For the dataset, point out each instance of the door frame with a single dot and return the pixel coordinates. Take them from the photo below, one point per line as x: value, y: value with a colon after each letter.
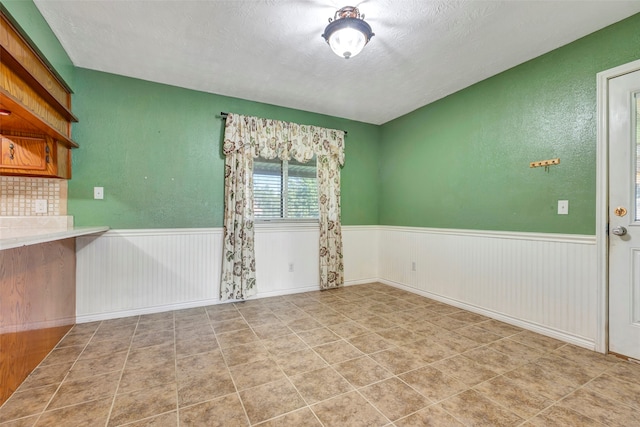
x: 602, y: 201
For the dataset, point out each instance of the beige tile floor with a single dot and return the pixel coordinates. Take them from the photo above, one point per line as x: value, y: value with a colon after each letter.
x: 368, y: 355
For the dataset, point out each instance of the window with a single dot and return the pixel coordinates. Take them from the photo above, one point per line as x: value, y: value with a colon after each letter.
x: 285, y: 189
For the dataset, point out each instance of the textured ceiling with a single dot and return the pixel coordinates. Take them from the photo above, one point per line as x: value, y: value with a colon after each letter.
x: 271, y: 51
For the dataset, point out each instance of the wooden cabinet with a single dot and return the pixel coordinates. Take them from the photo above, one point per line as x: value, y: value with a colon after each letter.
x: 35, y: 109
x: 34, y: 156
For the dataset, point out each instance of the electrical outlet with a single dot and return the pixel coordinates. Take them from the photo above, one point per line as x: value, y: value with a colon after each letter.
x: 41, y: 206
x: 563, y: 207
x: 290, y: 267
x: 98, y: 193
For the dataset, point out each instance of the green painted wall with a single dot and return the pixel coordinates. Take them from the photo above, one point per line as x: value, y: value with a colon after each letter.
x: 156, y: 151
x: 31, y: 21
x: 463, y: 161
x: 460, y: 162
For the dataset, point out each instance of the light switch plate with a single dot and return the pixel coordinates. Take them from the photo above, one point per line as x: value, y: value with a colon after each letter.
x: 98, y: 193
x: 563, y: 207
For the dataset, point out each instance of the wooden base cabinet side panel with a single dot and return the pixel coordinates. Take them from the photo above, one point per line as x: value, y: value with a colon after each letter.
x: 37, y: 307
x: 63, y: 161
x: 26, y: 350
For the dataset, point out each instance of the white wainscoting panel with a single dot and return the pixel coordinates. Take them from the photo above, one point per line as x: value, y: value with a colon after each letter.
x: 279, y: 247
x: 360, y: 247
x: 543, y: 282
x: 128, y: 272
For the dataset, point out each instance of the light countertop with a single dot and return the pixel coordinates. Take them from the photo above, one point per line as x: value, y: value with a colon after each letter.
x: 14, y: 238
x: 22, y: 231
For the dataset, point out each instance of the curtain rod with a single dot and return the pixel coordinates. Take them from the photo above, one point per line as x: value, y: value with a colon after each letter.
x: 224, y: 116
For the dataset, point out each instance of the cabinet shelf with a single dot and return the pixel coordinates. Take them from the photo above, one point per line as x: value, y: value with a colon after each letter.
x: 23, y: 120
x: 15, y: 65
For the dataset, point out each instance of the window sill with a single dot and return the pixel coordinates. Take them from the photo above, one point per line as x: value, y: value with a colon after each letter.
x: 280, y: 224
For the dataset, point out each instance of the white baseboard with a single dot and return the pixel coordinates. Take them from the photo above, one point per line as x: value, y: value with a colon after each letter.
x: 541, y: 329
x: 86, y: 318
x: 361, y: 281
x: 193, y: 304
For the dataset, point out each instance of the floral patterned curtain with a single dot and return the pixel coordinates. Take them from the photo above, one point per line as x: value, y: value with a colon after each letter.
x: 248, y: 137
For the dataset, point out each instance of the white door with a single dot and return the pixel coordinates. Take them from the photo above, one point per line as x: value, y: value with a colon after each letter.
x: 624, y: 227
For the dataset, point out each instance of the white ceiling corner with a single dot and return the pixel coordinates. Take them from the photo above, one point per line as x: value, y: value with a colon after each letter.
x: 271, y: 51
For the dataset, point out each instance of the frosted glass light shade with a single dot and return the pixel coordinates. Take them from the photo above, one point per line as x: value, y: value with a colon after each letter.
x: 348, y: 33
x: 347, y: 42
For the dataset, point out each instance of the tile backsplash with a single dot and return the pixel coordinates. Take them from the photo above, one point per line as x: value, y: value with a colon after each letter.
x: 18, y: 196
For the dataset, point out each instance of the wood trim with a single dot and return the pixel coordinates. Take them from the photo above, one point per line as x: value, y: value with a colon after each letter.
x: 23, y: 43
x: 35, y: 84
x: 30, y: 99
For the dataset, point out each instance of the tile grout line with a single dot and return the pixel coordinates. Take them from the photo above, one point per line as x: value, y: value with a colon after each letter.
x: 296, y: 333
x: 583, y: 387
x: 281, y: 370
x: 558, y: 358
x: 555, y: 402
x: 226, y: 364
x: 66, y: 374
x: 124, y: 366
x: 175, y: 368
x: 356, y: 389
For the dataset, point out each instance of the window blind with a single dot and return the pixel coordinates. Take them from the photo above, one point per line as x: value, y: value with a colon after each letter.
x: 285, y: 190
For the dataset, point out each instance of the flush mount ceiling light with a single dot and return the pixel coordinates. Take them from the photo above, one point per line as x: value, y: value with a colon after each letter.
x: 347, y: 33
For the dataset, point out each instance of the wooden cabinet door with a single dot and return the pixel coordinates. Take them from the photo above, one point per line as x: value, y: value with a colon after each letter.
x: 27, y: 156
